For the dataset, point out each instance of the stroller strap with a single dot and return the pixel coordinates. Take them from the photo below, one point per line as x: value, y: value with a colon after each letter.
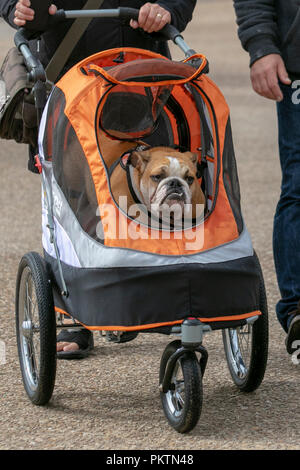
x: 69, y: 42
x: 124, y: 162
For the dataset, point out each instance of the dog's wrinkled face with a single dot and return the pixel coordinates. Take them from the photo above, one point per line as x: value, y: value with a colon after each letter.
x: 167, y: 178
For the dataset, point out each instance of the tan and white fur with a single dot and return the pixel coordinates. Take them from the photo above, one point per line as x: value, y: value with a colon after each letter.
x: 165, y: 179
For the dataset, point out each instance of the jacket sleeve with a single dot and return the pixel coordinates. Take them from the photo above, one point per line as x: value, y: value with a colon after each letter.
x: 7, y: 11
x: 257, y: 27
x: 181, y: 11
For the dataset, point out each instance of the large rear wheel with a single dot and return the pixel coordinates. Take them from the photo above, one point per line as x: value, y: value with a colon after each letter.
x: 36, y: 328
x: 246, y: 348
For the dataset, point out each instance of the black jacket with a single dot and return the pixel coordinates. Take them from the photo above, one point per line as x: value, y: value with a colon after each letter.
x: 102, y: 33
x: 270, y: 26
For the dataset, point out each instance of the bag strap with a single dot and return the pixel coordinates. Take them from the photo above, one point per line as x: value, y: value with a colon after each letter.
x: 70, y: 40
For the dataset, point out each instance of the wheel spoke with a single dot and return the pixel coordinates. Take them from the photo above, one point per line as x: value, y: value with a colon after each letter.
x: 36, y: 328
x: 183, y: 401
x: 175, y: 396
x: 27, y: 328
x: 241, y: 344
x: 239, y: 347
x: 238, y: 353
x: 180, y: 386
x: 179, y: 401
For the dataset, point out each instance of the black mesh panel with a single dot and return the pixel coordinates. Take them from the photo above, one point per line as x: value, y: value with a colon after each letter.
x: 126, y: 113
x: 70, y: 166
x: 230, y: 177
x: 133, y: 113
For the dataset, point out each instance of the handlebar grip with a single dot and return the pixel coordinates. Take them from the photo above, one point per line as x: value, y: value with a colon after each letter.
x: 21, y: 38
x: 167, y: 32
x: 33, y: 65
x: 59, y: 17
x: 128, y: 13
x: 41, y: 15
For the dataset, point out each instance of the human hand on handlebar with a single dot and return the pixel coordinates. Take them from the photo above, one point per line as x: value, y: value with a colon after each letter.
x: 152, y: 18
x: 24, y: 13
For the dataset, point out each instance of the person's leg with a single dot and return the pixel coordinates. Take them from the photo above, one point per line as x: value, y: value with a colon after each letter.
x: 286, y: 237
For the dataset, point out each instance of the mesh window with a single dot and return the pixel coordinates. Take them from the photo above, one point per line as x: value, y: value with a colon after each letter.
x: 230, y: 177
x: 56, y: 107
x: 133, y: 113
x: 70, y: 166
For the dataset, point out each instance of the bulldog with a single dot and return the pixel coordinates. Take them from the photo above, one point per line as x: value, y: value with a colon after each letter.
x: 163, y: 179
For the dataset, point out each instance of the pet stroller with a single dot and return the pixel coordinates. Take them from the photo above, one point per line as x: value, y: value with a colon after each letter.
x: 186, y: 282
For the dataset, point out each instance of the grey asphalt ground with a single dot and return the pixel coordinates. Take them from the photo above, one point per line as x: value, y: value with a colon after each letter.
x: 111, y: 400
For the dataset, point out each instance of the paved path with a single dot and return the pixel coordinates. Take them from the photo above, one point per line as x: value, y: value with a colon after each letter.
x: 111, y: 401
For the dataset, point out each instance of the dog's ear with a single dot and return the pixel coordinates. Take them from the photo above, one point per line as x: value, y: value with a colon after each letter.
x: 139, y: 160
x: 193, y: 157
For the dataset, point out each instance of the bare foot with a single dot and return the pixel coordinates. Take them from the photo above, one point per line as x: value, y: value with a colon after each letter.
x: 64, y: 346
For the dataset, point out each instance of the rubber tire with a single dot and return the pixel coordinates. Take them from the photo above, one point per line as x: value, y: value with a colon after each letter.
x: 193, y: 389
x: 260, y: 343
x: 47, y: 323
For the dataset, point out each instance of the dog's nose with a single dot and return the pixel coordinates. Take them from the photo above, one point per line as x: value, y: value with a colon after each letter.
x: 174, y: 184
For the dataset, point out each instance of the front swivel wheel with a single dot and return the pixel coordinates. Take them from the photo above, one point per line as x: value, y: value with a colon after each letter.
x: 182, y: 403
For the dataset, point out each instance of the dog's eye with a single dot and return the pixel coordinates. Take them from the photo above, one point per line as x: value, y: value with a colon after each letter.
x: 156, y: 178
x: 189, y: 180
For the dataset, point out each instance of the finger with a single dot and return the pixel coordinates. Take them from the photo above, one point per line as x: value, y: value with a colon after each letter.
x: 260, y: 86
x: 59, y: 346
x: 52, y: 9
x: 24, y: 13
x: 134, y: 24
x: 159, y: 22
x: 274, y: 88
x: 146, y: 16
x: 23, y: 7
x: 65, y: 346
x: 166, y: 19
x: 19, y: 22
x: 265, y: 90
x: 153, y: 20
x: 157, y: 26
x: 71, y: 347
x: 282, y: 74
x: 26, y: 3
x: 24, y: 17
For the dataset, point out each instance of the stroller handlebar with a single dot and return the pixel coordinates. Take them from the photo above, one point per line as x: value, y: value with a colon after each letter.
x: 35, y: 68
x: 168, y: 32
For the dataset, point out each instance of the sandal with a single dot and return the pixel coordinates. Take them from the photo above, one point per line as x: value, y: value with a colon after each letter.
x: 83, y: 337
x: 120, y: 336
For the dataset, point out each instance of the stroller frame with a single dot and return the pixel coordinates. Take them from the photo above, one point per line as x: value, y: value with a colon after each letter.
x: 184, y: 360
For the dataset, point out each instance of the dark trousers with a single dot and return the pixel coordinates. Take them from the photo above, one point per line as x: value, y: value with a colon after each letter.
x: 286, y: 236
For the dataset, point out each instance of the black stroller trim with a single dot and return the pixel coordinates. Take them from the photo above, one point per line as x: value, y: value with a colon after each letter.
x: 130, y: 294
